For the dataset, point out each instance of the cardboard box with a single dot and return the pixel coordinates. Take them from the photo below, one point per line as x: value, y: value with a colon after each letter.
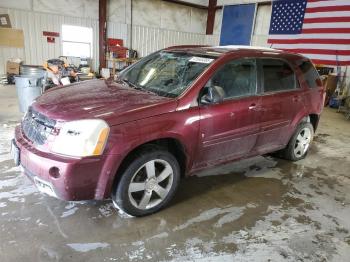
x: 331, y: 83
x: 11, y: 37
x: 12, y: 67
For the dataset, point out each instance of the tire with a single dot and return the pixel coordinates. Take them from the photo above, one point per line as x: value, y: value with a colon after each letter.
x: 148, y: 183
x: 299, y: 144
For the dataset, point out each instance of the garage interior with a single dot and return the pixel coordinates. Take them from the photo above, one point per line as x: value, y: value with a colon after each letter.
x: 258, y: 209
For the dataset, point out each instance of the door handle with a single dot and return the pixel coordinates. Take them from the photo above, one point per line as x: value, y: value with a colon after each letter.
x: 258, y: 108
x: 252, y: 106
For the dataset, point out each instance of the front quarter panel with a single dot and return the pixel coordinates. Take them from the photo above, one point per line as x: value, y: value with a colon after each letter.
x: 180, y: 125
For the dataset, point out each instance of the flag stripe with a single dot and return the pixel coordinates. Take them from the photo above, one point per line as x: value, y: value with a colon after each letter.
x: 318, y: 51
x: 326, y: 20
x: 312, y: 46
x: 327, y: 14
x: 312, y: 36
x: 330, y: 62
x: 326, y: 30
x: 326, y: 25
x: 327, y: 57
x: 327, y: 3
x: 310, y: 41
x: 327, y: 9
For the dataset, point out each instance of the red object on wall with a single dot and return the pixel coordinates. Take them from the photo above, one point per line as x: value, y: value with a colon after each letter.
x: 116, y: 46
x: 115, y: 42
x: 53, y: 34
x: 50, y: 39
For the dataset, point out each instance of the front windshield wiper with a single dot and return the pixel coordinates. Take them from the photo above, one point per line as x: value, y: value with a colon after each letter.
x: 126, y: 81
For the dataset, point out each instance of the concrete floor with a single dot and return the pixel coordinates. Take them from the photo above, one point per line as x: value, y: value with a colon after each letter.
x: 261, y: 209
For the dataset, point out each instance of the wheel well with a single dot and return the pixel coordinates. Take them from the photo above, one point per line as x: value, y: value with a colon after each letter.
x: 313, y: 119
x: 176, y: 148
x: 170, y: 144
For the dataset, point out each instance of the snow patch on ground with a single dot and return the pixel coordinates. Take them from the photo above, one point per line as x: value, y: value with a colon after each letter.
x: 86, y: 247
x: 69, y: 212
x: 160, y: 235
x: 230, y: 214
x: 107, y: 210
x: 233, y: 214
x: 21, y: 187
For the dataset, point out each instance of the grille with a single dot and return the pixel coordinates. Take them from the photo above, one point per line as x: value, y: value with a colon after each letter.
x: 37, y: 127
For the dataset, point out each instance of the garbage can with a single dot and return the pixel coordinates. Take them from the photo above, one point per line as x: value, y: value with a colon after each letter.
x: 28, y: 88
x: 29, y: 85
x: 31, y: 70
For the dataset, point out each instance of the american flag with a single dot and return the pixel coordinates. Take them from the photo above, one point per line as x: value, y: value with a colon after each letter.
x: 318, y: 29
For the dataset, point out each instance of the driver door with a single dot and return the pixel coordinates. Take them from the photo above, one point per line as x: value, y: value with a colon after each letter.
x: 229, y: 130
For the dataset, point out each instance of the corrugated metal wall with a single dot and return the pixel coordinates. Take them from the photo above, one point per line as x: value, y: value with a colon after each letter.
x: 37, y: 50
x: 117, y: 30
x: 147, y: 40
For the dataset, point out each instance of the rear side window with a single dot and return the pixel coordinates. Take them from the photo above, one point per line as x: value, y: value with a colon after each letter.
x: 277, y: 75
x: 310, y: 73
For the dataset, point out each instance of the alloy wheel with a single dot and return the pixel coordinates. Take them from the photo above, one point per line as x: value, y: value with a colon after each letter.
x: 302, y: 142
x: 151, y: 184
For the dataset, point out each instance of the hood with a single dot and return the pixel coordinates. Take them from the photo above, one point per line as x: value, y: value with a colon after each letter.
x: 101, y: 99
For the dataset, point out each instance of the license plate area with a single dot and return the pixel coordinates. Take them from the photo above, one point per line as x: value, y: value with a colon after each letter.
x: 15, y: 153
x: 44, y: 187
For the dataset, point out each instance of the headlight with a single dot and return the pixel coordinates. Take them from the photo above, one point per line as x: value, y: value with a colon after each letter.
x: 81, y: 138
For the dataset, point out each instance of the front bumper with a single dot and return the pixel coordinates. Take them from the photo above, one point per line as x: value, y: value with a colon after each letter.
x: 42, y: 185
x: 79, y: 178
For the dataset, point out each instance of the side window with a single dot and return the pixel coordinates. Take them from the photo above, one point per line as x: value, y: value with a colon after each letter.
x: 237, y: 78
x: 310, y: 73
x: 277, y: 75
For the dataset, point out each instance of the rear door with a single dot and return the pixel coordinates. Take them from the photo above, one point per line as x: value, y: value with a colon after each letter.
x: 282, y: 100
x: 229, y: 129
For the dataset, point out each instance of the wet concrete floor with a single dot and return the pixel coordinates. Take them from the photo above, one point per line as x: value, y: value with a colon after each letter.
x: 260, y: 209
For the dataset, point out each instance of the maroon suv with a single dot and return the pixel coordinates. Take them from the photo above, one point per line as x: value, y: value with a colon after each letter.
x: 174, y: 112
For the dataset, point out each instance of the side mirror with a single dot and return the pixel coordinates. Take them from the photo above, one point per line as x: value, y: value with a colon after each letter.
x: 214, y: 95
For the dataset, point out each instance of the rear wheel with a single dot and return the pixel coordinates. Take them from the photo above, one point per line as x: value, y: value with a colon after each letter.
x: 148, y: 183
x: 299, y: 144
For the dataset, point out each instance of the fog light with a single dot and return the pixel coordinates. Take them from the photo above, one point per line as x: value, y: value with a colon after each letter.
x: 54, y: 172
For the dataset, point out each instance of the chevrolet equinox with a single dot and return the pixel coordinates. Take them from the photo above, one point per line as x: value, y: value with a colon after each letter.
x: 172, y: 113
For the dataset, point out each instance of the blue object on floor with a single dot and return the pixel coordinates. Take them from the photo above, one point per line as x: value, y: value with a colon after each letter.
x: 334, y: 102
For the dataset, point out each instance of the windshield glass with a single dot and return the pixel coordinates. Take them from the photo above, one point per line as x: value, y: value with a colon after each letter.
x: 166, y: 73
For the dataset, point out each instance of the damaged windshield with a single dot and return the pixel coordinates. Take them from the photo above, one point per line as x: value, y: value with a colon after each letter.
x: 166, y: 73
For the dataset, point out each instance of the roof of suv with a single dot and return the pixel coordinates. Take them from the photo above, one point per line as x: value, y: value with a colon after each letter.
x: 221, y: 50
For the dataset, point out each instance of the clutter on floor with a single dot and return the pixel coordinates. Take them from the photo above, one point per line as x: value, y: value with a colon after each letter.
x: 337, y: 89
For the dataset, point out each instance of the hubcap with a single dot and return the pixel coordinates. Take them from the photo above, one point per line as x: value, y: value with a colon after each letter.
x: 302, y: 142
x: 151, y: 184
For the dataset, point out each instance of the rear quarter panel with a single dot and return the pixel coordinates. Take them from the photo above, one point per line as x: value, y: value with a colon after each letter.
x: 313, y: 97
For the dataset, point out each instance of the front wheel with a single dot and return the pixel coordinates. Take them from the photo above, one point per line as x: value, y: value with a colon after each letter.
x: 148, y: 183
x: 300, y: 142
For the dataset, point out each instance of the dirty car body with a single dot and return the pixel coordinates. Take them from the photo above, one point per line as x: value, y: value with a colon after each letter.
x: 236, y: 102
